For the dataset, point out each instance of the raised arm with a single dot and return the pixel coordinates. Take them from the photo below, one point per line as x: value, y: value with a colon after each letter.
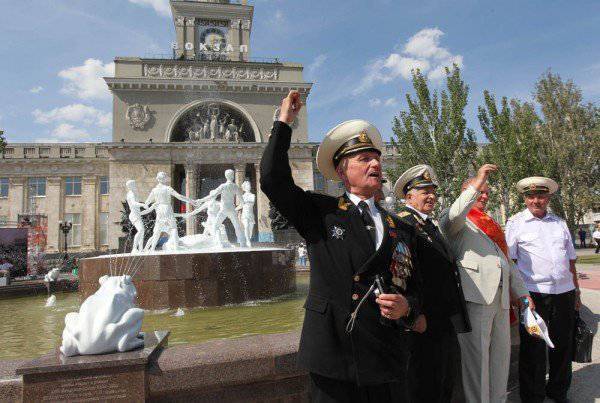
x: 275, y: 173
x: 183, y: 198
x: 455, y: 217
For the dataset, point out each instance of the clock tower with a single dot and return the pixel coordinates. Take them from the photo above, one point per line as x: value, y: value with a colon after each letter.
x: 212, y: 29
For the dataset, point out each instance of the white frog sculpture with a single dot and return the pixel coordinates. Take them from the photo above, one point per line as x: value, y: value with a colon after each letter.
x: 108, y: 320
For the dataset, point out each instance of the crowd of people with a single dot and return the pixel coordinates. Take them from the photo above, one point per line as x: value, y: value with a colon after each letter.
x: 396, y: 300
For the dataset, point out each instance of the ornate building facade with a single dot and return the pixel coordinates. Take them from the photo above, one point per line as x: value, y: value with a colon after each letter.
x: 207, y: 109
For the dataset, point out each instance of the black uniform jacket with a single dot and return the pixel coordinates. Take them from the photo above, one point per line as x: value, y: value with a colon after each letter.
x: 443, y: 300
x: 343, y: 265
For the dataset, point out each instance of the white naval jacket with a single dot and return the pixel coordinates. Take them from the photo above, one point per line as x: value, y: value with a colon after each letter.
x: 480, y: 261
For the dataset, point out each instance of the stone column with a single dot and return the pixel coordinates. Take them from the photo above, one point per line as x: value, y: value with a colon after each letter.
x: 262, y: 211
x: 16, y: 195
x: 190, y: 36
x: 89, y: 213
x: 180, y: 36
x: 55, y: 211
x: 191, y: 184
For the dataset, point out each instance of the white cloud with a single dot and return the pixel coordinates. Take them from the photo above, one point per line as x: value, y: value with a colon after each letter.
x: 422, y: 51
x: 160, y: 6
x: 36, y: 90
x: 66, y: 133
x: 85, y: 81
x: 316, y: 63
x: 377, y: 102
x: 76, y: 113
x: 391, y: 102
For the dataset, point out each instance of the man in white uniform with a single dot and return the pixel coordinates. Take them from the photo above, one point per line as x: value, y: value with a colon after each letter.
x: 487, y: 274
x: 541, y: 245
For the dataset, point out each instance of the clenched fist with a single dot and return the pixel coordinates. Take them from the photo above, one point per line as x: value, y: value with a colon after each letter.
x: 290, y: 106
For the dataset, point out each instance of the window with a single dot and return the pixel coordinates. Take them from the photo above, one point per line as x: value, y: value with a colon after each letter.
x: 74, y: 236
x: 73, y: 185
x: 3, y: 187
x: 103, y: 228
x: 3, y: 220
x: 104, y: 185
x: 37, y: 186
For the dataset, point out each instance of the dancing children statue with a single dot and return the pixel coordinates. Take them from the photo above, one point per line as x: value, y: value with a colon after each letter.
x: 228, y: 191
x: 247, y: 207
x: 160, y: 196
x: 135, y: 216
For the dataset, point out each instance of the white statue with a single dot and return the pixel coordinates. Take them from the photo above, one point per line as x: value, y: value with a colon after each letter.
x: 222, y: 125
x: 160, y: 196
x: 247, y: 207
x: 206, y: 128
x: 135, y: 216
x: 228, y: 191
x: 231, y: 131
x: 214, y: 120
x: 108, y: 320
x: 52, y: 275
x: 207, y: 238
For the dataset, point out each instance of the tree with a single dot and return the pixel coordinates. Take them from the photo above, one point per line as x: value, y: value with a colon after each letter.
x: 569, y: 139
x: 434, y: 131
x: 2, y: 141
x: 510, y: 130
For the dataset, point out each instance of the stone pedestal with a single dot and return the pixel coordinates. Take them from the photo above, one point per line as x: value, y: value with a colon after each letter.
x: 191, y: 279
x: 117, y: 377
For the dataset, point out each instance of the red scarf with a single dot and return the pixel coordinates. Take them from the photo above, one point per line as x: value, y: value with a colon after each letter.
x: 489, y: 227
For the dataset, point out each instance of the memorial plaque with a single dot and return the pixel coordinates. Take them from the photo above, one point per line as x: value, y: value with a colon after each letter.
x: 116, y: 377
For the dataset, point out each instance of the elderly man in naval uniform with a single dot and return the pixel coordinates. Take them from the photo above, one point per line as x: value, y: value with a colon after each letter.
x: 434, y: 362
x: 354, y: 344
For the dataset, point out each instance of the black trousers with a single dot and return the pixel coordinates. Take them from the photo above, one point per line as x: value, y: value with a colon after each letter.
x: 558, y: 311
x: 329, y: 390
x: 434, y: 367
x: 597, y: 245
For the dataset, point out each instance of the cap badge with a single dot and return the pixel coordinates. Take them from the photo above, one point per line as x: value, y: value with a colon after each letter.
x: 426, y: 176
x: 532, y: 186
x: 363, y: 137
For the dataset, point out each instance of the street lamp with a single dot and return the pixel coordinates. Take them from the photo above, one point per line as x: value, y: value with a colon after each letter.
x: 65, y: 227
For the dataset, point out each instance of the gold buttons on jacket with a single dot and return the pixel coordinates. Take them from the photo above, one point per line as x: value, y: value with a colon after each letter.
x: 354, y: 297
x: 357, y: 278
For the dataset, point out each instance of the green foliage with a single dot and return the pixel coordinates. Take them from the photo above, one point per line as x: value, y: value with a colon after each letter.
x: 510, y: 129
x: 569, y: 139
x: 2, y: 142
x: 434, y: 131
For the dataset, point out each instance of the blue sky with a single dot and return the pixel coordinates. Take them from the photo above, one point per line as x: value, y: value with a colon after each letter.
x: 357, y: 53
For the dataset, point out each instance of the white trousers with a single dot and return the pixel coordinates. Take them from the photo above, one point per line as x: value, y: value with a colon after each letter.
x: 485, y: 352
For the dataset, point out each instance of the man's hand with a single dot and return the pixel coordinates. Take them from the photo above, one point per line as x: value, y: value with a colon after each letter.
x: 290, y: 106
x: 529, y: 301
x: 482, y: 175
x: 392, y: 306
x: 420, y: 324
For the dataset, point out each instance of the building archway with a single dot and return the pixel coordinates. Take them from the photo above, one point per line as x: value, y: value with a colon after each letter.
x: 212, y: 120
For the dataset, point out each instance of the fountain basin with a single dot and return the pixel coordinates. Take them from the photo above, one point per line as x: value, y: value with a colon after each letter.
x: 169, y: 280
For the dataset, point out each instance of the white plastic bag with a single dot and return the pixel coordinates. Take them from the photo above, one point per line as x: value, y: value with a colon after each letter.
x: 535, y: 326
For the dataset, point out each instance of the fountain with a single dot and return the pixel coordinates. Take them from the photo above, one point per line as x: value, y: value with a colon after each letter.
x: 204, y: 269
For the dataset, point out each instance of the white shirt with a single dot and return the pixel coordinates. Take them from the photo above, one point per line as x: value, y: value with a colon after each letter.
x: 423, y: 215
x: 374, y: 211
x: 596, y: 234
x: 543, y: 248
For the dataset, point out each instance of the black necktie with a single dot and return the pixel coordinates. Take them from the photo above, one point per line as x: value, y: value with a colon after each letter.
x: 432, y: 230
x: 368, y: 221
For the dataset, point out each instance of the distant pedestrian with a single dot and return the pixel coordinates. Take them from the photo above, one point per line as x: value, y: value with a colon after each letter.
x: 596, y: 236
x: 302, y: 254
x: 582, y: 236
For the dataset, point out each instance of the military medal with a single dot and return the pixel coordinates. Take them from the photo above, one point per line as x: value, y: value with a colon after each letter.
x: 401, y: 265
x: 337, y: 232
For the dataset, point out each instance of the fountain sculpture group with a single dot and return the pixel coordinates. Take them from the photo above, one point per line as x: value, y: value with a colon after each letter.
x: 193, y: 270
